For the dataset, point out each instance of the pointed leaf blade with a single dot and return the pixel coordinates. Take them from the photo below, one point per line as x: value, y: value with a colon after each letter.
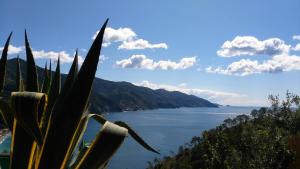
x: 32, y: 78
x: 3, y: 63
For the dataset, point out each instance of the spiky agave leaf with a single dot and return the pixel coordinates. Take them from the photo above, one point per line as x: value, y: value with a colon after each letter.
x: 67, y: 85
x: 3, y: 63
x: 55, y: 87
x: 52, y: 96
x: 66, y: 116
x: 19, y: 79
x: 46, y: 81
x: 32, y: 78
x: 26, y: 132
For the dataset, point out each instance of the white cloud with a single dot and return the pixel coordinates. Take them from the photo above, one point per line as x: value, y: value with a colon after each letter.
x: 141, y: 44
x: 220, y: 97
x: 128, y: 38
x: 278, y: 63
x: 250, y: 45
x: 296, y: 37
x: 142, y: 62
x: 297, y: 47
x: 64, y: 57
x: 117, y: 35
x: 13, y: 49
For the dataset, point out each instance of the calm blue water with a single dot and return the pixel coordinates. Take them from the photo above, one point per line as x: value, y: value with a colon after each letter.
x: 164, y: 129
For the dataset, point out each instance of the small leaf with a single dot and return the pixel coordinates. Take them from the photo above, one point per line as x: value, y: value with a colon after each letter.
x: 3, y: 63
x: 32, y: 78
x: 135, y: 136
x: 103, y: 147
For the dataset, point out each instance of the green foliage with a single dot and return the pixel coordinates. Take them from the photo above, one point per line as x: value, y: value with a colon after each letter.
x: 48, y: 127
x: 259, y: 141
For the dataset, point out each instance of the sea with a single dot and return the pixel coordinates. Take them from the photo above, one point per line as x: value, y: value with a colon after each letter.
x: 164, y: 129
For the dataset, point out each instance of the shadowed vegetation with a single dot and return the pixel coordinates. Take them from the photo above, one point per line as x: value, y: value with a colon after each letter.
x: 266, y: 139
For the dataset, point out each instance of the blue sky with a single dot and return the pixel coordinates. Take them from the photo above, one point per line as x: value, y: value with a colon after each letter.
x: 231, y: 52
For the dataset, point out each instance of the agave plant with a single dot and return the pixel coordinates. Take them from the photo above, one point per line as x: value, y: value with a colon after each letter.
x: 47, y: 122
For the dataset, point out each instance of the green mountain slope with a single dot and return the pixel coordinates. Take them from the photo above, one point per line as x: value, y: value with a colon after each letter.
x: 108, y: 96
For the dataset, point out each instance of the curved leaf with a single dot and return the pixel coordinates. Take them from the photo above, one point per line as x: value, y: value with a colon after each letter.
x: 135, y: 136
x: 103, y: 147
x: 26, y: 133
x: 3, y: 63
x: 28, y: 106
x: 32, y: 78
x: 79, y: 134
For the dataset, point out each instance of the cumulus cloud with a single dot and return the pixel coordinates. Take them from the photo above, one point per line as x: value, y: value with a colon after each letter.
x: 250, y: 45
x: 142, y: 62
x: 42, y: 54
x: 277, y: 63
x: 13, y: 49
x: 128, y: 38
x: 296, y: 37
x: 64, y: 56
x: 220, y: 97
x: 141, y: 44
x: 116, y: 35
x: 297, y: 47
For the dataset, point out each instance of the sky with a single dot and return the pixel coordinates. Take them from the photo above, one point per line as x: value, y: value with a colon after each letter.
x: 230, y: 52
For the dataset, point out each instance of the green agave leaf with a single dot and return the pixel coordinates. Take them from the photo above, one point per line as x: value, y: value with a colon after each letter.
x: 69, y: 110
x: 3, y: 63
x: 7, y: 114
x: 28, y: 106
x: 135, y: 136
x: 19, y: 79
x: 55, y: 87
x: 46, y: 81
x: 52, y: 97
x: 71, y: 76
x: 103, y: 147
x: 50, y: 71
x: 32, y: 78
